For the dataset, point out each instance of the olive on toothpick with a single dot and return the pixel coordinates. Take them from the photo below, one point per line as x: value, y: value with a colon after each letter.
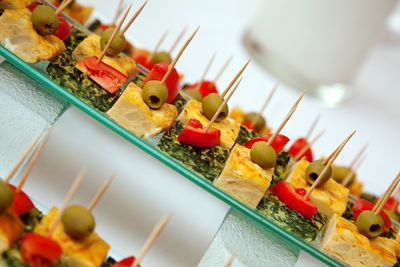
x: 112, y: 38
x: 155, y: 93
x: 222, y: 106
x: 212, y: 102
x: 263, y: 153
x: 323, y: 175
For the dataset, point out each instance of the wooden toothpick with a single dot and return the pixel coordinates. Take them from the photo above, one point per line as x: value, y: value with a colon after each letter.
x: 96, y: 199
x: 286, y: 119
x: 223, y: 69
x: 151, y: 239
x: 309, y: 144
x: 235, y: 79
x: 134, y: 17
x: 178, y: 39
x: 222, y: 105
x: 353, y: 171
x: 118, y: 12
x: 21, y: 161
x: 31, y: 164
x: 265, y: 105
x: 158, y: 45
x: 114, y: 34
x: 205, y: 72
x: 328, y: 165
x: 173, y: 63
x: 71, y: 193
x: 62, y: 6
x: 229, y: 262
x: 358, y: 156
x: 312, y: 127
x: 380, y: 204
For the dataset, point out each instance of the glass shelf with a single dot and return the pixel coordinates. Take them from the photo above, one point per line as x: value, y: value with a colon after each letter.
x: 37, y: 73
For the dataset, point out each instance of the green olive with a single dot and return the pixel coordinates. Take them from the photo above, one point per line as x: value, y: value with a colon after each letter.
x: 195, y: 94
x: 339, y: 173
x: 117, y: 45
x: 161, y: 57
x: 369, y: 224
x: 154, y: 94
x: 260, y: 121
x: 6, y: 196
x: 210, y: 105
x: 315, y: 169
x: 78, y: 221
x: 44, y: 20
x: 263, y: 154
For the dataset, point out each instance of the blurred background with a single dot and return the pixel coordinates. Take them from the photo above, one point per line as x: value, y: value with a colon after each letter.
x: 352, y: 78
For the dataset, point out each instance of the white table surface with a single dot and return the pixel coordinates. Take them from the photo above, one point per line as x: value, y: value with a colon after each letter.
x: 145, y: 190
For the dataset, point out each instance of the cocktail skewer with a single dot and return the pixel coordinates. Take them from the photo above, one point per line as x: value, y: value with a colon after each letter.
x: 151, y: 239
x: 222, y: 105
x: 328, y: 165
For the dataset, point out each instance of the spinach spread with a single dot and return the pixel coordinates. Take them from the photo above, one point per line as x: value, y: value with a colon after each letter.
x: 275, y: 210
x: 245, y: 135
x: 63, y: 72
x: 207, y: 162
x: 281, y: 167
x: 348, y: 213
x: 180, y: 102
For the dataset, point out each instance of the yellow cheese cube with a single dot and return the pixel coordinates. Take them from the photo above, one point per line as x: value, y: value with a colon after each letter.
x: 131, y: 112
x: 243, y: 179
x: 89, y: 252
x: 91, y: 47
x: 343, y: 241
x: 330, y: 198
x: 229, y: 127
x: 10, y: 229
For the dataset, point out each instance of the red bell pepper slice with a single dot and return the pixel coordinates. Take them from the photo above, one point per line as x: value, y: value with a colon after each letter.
x: 39, y: 251
x: 195, y: 135
x: 64, y: 30
x: 391, y: 204
x: 157, y: 72
x: 104, y: 75
x: 297, y: 146
x: 249, y: 125
x: 293, y: 198
x: 362, y: 205
x: 22, y: 204
x: 127, y: 262
x: 278, y: 144
x: 206, y: 88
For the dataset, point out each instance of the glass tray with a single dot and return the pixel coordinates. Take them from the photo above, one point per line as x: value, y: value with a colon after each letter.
x: 37, y: 73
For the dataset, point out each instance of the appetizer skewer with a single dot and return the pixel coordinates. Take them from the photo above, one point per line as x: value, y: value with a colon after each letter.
x: 149, y: 106
x: 259, y: 160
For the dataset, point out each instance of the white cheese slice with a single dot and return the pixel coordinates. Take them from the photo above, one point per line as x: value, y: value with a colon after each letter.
x: 131, y: 112
x: 18, y: 35
x: 243, y: 179
x: 342, y: 240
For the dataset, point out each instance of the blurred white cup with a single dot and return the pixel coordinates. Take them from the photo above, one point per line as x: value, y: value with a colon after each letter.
x: 317, y: 45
